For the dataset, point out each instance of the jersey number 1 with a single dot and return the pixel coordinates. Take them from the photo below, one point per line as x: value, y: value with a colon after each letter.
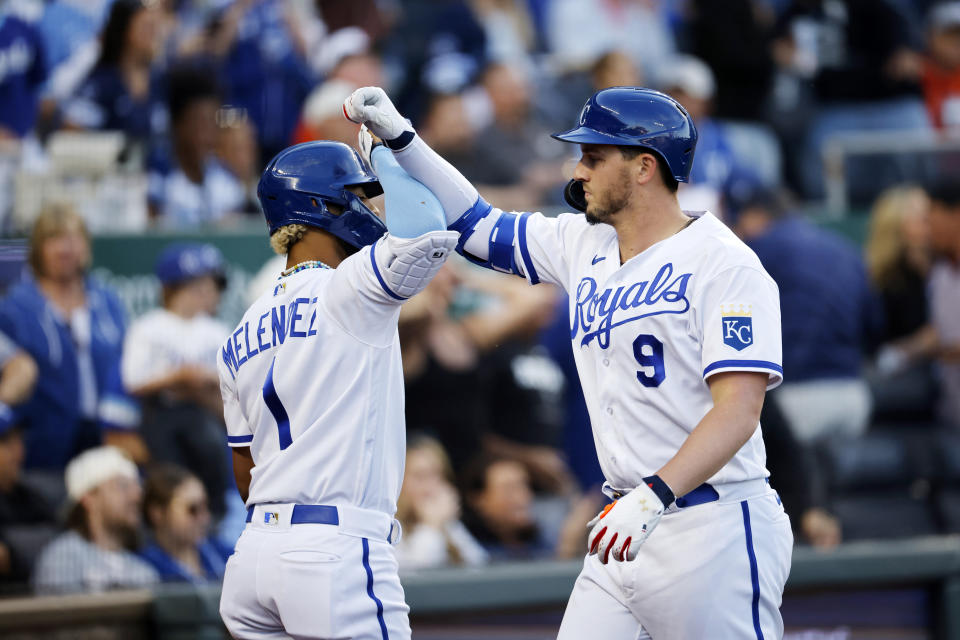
x: 649, y: 354
x: 277, y: 409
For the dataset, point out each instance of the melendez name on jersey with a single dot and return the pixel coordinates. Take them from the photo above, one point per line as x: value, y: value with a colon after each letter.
x: 648, y: 334
x: 312, y: 382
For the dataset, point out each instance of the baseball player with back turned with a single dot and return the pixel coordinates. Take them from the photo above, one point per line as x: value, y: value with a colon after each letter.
x: 676, y: 335
x: 313, y: 398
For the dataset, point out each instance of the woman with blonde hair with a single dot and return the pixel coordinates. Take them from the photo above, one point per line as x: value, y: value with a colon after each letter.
x: 73, y: 327
x: 898, y: 259
x: 429, y: 512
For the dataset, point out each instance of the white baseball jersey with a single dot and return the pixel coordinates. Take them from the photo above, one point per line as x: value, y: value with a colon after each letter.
x: 312, y: 380
x: 160, y: 342
x: 647, y: 334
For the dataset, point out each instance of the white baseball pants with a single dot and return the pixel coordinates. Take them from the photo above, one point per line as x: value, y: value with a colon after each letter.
x: 314, y: 581
x: 715, y: 570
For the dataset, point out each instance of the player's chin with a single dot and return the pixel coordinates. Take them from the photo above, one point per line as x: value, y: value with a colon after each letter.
x: 596, y: 216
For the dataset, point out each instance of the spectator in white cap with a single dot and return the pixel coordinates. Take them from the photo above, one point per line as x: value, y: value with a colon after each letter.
x: 96, y: 552
x: 690, y: 81
x: 170, y: 364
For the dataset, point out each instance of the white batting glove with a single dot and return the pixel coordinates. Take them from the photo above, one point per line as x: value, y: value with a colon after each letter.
x: 371, y: 106
x: 367, y: 142
x: 618, y: 531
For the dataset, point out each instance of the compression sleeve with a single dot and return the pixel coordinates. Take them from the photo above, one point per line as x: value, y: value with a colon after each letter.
x: 412, y: 210
x: 455, y: 193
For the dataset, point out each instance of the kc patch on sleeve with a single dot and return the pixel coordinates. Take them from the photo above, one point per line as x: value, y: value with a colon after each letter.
x: 737, y: 324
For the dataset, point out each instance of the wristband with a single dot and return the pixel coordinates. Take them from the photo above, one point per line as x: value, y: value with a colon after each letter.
x: 660, y: 489
x: 401, y: 141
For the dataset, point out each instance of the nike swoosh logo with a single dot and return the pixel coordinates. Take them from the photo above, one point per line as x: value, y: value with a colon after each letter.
x: 597, y: 259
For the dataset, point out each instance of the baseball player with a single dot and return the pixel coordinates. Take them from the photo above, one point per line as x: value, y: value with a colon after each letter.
x: 676, y: 335
x: 313, y: 398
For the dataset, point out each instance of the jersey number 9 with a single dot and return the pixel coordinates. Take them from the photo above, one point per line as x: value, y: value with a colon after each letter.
x: 649, y: 354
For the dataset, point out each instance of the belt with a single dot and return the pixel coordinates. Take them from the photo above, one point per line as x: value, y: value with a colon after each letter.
x: 305, y: 514
x: 701, y: 495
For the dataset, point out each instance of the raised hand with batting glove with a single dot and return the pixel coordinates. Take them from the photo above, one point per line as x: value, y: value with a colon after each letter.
x: 618, y: 531
x: 371, y: 106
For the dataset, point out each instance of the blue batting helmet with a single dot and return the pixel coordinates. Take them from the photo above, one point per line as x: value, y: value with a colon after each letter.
x: 635, y: 117
x: 301, y: 181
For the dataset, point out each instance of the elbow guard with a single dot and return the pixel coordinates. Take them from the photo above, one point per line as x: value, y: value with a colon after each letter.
x: 498, y: 251
x: 404, y: 266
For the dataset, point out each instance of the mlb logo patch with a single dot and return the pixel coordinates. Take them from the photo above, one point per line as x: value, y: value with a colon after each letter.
x: 737, y: 326
x: 271, y: 517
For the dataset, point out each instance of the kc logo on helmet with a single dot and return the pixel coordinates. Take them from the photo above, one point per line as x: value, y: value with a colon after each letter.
x: 737, y: 326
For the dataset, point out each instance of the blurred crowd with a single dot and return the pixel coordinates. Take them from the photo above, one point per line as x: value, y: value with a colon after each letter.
x: 204, y: 92
x: 113, y: 466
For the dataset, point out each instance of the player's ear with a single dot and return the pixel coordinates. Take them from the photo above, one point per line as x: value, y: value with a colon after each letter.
x: 645, y: 167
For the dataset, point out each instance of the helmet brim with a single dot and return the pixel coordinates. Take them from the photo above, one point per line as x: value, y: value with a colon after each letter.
x: 371, y: 188
x: 586, y: 135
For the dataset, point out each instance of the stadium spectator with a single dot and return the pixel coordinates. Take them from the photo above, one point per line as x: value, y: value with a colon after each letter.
x: 124, y: 91
x: 614, y: 69
x: 22, y: 508
x: 262, y: 60
x: 797, y: 471
x: 733, y: 37
x: 429, y: 511
x: 508, y: 30
x: 96, y: 553
x: 237, y: 151
x: 322, y: 115
x: 509, y: 152
x: 196, y: 189
x: 945, y: 295
x: 442, y: 48
x: 177, y: 515
x: 18, y: 377
x: 70, y: 30
x: 346, y: 55
x: 23, y: 70
x: 169, y: 363
x: 865, y: 68
x: 941, y: 67
x: 898, y: 258
x: 73, y: 328
x: 578, y: 444
x: 451, y: 124
x: 70, y: 25
x: 443, y: 359
x: 580, y: 31
x: 690, y: 81
x: 26, y: 516
x: 829, y: 316
x: 500, y: 514
x: 373, y: 16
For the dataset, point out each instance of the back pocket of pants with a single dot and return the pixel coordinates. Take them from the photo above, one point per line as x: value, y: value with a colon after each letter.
x: 306, y: 602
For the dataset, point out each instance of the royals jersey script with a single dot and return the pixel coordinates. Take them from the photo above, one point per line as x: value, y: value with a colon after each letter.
x: 633, y: 325
x: 312, y: 382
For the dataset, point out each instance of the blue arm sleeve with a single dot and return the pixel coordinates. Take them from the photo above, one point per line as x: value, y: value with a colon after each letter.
x: 412, y: 209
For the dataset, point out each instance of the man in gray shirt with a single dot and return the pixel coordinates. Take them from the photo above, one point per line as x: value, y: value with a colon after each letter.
x: 96, y: 553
